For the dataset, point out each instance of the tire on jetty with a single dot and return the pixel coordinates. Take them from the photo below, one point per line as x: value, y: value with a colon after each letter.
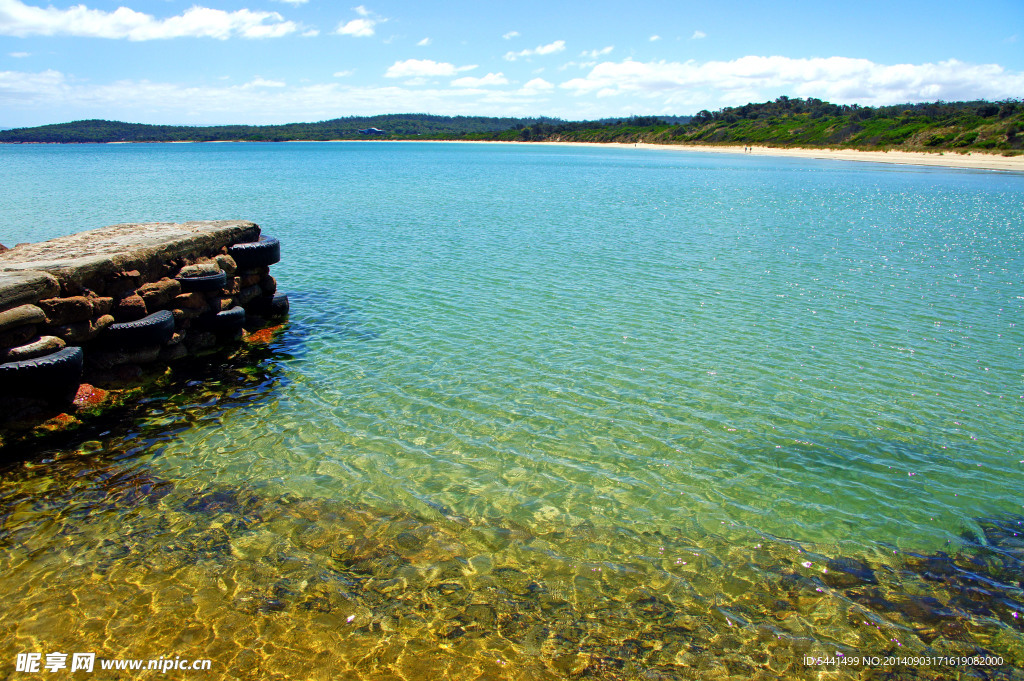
x: 114, y: 306
x: 262, y: 253
x: 54, y: 376
x: 271, y: 306
x: 202, y: 283
x: 154, y: 329
x: 227, y: 320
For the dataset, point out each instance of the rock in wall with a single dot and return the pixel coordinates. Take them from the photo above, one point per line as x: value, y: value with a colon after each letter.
x: 105, y: 305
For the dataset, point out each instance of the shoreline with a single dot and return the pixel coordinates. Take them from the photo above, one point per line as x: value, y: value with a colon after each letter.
x: 969, y: 160
x: 972, y: 160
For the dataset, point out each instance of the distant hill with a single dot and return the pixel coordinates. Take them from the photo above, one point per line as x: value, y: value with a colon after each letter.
x: 939, y: 126
x: 784, y: 122
x: 396, y: 126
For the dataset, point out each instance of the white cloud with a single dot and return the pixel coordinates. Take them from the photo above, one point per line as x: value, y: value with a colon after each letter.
x: 536, y: 86
x: 342, y: 74
x: 510, y: 35
x: 697, y: 35
x: 296, y: 3
x: 263, y: 82
x: 19, y: 55
x: 19, y: 87
x: 594, y: 54
x: 19, y: 19
x: 550, y: 48
x: 836, y: 79
x: 360, y: 28
x: 424, y: 68
x: 608, y: 89
x: 489, y: 79
x: 423, y: 43
x: 654, y: 38
x: 50, y: 96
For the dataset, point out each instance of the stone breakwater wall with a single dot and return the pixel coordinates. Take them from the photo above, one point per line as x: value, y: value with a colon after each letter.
x: 105, y: 305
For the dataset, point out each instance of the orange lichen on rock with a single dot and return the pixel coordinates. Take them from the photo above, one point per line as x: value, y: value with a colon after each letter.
x: 264, y: 335
x: 58, y: 423
x: 90, y: 396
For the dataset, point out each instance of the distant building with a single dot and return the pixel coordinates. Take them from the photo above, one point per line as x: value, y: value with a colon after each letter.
x: 372, y: 131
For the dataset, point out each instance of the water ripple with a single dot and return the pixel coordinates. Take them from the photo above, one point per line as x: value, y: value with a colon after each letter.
x: 539, y: 392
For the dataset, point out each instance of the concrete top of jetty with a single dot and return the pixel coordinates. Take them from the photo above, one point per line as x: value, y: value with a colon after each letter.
x: 30, y: 272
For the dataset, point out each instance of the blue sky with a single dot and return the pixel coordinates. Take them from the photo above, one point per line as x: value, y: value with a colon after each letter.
x: 278, y: 61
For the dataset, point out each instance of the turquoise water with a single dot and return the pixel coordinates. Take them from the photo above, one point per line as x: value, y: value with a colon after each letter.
x: 565, y: 362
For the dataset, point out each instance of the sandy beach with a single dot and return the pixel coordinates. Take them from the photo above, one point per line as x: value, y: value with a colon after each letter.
x: 973, y: 160
x: 948, y: 159
x: 917, y: 158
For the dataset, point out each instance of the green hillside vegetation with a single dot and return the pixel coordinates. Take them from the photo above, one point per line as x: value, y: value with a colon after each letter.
x: 398, y: 126
x: 995, y: 127
x: 939, y: 126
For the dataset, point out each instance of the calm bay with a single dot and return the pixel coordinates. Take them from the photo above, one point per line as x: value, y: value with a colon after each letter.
x: 542, y: 411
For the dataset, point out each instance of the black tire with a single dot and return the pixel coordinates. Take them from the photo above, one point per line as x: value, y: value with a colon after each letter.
x: 227, y: 320
x: 203, y: 283
x: 262, y: 253
x: 155, y: 329
x: 51, y: 376
x: 275, y: 305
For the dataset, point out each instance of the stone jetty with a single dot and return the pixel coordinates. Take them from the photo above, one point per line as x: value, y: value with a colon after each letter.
x: 105, y: 306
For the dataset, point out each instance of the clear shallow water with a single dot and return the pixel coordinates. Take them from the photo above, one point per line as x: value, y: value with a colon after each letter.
x: 521, y: 388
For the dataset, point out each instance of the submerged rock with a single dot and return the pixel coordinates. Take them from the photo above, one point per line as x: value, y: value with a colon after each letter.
x: 843, y: 573
x: 218, y: 501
